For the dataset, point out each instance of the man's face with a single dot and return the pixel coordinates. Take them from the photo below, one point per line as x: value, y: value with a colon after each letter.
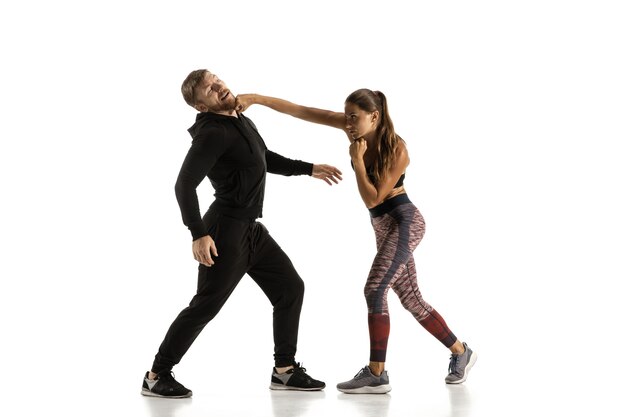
x: 212, y: 95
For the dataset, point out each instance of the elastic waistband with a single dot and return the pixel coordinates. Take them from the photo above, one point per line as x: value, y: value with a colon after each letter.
x: 245, y: 215
x: 388, y: 205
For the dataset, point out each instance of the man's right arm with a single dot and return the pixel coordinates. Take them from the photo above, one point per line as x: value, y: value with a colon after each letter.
x: 200, y: 158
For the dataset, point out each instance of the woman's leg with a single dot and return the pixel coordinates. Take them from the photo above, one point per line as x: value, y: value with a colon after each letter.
x: 411, y: 298
x: 394, y: 243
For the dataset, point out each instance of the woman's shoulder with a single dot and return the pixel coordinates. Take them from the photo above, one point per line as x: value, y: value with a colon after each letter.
x: 402, y: 153
x: 402, y: 147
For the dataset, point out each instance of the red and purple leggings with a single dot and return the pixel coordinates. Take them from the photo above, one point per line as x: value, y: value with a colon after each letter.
x: 399, y: 228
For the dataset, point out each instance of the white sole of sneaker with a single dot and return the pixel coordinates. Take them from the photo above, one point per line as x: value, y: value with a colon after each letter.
x: 149, y: 393
x: 280, y: 387
x: 380, y: 389
x: 471, y: 363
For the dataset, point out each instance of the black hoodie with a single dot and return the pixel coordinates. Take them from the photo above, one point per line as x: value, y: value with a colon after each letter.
x: 231, y: 153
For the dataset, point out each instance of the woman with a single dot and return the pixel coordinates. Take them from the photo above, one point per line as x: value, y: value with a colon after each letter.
x: 380, y: 158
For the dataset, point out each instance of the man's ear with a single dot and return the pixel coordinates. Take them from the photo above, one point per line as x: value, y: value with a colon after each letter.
x: 201, y: 108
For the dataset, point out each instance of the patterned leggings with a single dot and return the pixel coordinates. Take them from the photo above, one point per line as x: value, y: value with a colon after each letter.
x: 399, y: 227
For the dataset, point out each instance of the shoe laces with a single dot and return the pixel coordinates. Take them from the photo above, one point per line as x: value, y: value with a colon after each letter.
x: 166, y: 375
x: 361, y: 372
x: 453, y: 368
x: 170, y: 377
x: 298, y: 367
x: 302, y: 370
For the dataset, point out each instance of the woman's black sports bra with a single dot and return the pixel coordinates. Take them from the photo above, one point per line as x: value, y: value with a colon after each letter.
x: 370, y: 175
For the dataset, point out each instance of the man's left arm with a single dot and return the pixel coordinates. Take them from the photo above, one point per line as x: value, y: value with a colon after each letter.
x: 278, y: 164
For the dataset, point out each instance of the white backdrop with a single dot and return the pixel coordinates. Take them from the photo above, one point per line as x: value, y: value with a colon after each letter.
x: 514, y: 117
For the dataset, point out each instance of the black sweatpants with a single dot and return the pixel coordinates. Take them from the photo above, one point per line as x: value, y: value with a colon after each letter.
x: 243, y: 247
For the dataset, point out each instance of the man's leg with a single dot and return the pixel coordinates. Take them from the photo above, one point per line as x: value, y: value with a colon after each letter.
x: 215, y: 284
x: 273, y: 271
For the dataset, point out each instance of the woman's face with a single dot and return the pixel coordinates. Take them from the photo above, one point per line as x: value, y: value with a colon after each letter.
x: 360, y: 123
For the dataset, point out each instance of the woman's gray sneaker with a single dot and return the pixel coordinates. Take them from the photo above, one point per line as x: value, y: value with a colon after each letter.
x: 365, y: 382
x: 460, y: 366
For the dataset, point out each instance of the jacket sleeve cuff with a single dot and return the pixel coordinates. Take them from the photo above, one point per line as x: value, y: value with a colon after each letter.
x: 198, y: 230
x: 303, y: 168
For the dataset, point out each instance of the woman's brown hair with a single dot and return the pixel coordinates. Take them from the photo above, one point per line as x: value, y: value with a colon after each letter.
x: 386, y: 138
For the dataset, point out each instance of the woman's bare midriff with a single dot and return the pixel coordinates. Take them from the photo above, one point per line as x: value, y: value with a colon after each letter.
x: 395, y: 192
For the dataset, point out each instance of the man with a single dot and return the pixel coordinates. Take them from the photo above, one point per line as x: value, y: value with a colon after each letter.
x: 227, y: 149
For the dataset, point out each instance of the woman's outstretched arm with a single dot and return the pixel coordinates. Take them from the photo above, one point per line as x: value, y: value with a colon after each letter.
x: 309, y: 114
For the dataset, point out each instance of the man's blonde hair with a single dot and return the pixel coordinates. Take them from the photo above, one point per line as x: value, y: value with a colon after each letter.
x: 190, y: 84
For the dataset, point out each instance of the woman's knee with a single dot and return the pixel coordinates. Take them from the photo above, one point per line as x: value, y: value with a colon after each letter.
x: 375, y: 299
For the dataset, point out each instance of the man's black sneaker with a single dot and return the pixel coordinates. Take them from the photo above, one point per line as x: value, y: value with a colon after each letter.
x: 295, y: 379
x: 164, y: 386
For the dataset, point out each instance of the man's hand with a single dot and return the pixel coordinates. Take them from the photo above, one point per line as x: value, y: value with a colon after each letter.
x: 202, y: 249
x: 327, y: 173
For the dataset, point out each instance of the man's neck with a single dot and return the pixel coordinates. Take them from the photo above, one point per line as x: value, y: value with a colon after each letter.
x: 231, y: 113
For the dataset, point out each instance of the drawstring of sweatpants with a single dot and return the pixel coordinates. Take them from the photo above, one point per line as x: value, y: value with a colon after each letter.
x: 251, y: 240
